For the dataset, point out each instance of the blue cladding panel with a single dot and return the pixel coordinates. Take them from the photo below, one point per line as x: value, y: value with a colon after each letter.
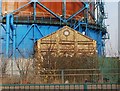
x: 27, y: 44
x: 97, y: 35
x: 93, y: 34
x: 46, y: 30
x: 40, y: 31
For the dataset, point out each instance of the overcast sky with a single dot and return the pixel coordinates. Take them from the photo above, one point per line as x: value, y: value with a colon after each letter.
x: 112, y: 44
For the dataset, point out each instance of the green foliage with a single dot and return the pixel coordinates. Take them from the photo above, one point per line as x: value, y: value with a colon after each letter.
x: 109, y: 68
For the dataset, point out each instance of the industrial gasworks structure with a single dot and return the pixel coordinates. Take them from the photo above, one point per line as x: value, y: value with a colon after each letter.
x: 29, y: 24
x: 24, y: 22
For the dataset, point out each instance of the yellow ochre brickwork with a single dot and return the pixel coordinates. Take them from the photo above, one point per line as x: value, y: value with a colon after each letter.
x: 66, y: 41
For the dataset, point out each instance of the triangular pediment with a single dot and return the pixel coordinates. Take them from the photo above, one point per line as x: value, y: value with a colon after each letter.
x: 67, y: 33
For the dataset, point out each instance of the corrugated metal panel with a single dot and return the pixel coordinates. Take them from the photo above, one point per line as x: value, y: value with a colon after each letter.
x: 66, y: 40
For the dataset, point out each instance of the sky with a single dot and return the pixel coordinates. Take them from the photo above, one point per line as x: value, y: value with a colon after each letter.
x: 111, y: 8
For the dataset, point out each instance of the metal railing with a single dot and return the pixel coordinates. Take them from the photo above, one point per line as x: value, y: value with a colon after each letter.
x: 73, y: 76
x: 61, y: 87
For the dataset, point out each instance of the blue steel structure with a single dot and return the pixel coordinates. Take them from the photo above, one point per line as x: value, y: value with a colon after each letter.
x: 18, y: 37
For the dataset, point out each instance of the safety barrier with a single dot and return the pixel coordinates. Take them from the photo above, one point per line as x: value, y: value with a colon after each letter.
x: 61, y: 87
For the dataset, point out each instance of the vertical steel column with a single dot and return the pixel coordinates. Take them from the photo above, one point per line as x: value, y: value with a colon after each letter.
x: 62, y: 76
x: 0, y: 41
x: 34, y: 33
x: 14, y: 37
x: 85, y: 87
x: 103, y: 47
x: 64, y: 9
x: 0, y: 28
x: 80, y: 28
x: 14, y: 49
x: 7, y: 35
x: 34, y: 28
x: 13, y: 42
x: 93, y: 8
x: 97, y: 13
x: 34, y: 11
x: 87, y: 8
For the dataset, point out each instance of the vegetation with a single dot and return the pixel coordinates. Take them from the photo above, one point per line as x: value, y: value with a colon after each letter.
x: 48, y: 69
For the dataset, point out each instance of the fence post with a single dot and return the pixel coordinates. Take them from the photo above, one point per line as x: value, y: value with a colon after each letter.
x: 62, y: 74
x: 85, y: 87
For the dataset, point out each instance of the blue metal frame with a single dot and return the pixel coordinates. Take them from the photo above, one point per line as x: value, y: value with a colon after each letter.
x: 7, y: 34
x: 76, y: 13
x: 47, y: 9
x: 25, y: 35
x: 18, y: 9
x: 33, y: 28
x: 9, y: 29
x: 77, y: 26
